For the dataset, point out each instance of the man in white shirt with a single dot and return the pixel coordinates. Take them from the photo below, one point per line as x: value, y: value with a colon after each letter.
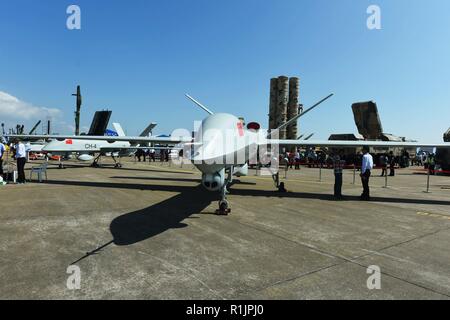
x: 366, y: 168
x: 152, y: 155
x: 21, y: 157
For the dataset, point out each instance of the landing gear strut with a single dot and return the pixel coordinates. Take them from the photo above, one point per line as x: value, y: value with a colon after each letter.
x: 279, y: 185
x: 224, y: 210
x: 60, y: 165
x: 95, y: 163
x: 276, y: 179
x: 117, y: 164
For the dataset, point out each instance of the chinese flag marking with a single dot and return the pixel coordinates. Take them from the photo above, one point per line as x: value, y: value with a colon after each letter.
x: 69, y: 141
x: 240, y: 129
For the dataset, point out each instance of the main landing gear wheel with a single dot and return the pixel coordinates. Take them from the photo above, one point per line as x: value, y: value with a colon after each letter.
x: 118, y: 166
x: 223, y: 208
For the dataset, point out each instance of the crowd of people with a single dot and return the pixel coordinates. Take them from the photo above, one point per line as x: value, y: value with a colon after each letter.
x: 362, y: 161
x: 151, y: 154
x: 320, y: 158
x: 311, y: 158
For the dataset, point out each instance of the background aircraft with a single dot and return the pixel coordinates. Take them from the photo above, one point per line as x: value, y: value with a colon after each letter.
x: 100, y: 146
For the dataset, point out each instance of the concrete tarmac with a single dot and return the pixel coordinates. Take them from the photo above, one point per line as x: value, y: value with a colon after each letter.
x: 148, y: 231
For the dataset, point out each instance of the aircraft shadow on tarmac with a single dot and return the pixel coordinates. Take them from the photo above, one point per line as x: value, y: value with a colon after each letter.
x: 165, y: 170
x: 143, y: 224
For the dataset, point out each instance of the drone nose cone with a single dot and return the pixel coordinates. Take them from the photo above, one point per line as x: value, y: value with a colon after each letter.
x: 211, y: 150
x: 197, y: 156
x: 200, y: 152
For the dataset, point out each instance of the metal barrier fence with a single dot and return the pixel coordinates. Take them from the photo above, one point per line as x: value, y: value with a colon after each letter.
x: 386, y: 175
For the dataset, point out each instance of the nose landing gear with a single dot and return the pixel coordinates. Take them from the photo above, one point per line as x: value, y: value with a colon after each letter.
x: 223, y: 208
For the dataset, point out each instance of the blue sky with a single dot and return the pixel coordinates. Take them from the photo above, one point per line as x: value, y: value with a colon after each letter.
x: 138, y: 58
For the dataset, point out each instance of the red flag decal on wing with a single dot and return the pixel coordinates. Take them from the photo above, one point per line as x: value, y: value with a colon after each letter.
x: 69, y: 141
x: 240, y: 129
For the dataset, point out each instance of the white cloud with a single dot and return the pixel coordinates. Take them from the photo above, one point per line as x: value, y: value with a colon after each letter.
x: 14, y: 109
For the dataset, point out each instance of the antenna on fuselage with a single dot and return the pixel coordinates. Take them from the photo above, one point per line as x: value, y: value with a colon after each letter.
x: 309, y: 137
x: 199, y: 104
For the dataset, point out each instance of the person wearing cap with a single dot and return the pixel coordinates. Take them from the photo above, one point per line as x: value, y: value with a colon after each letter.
x: 366, y: 168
